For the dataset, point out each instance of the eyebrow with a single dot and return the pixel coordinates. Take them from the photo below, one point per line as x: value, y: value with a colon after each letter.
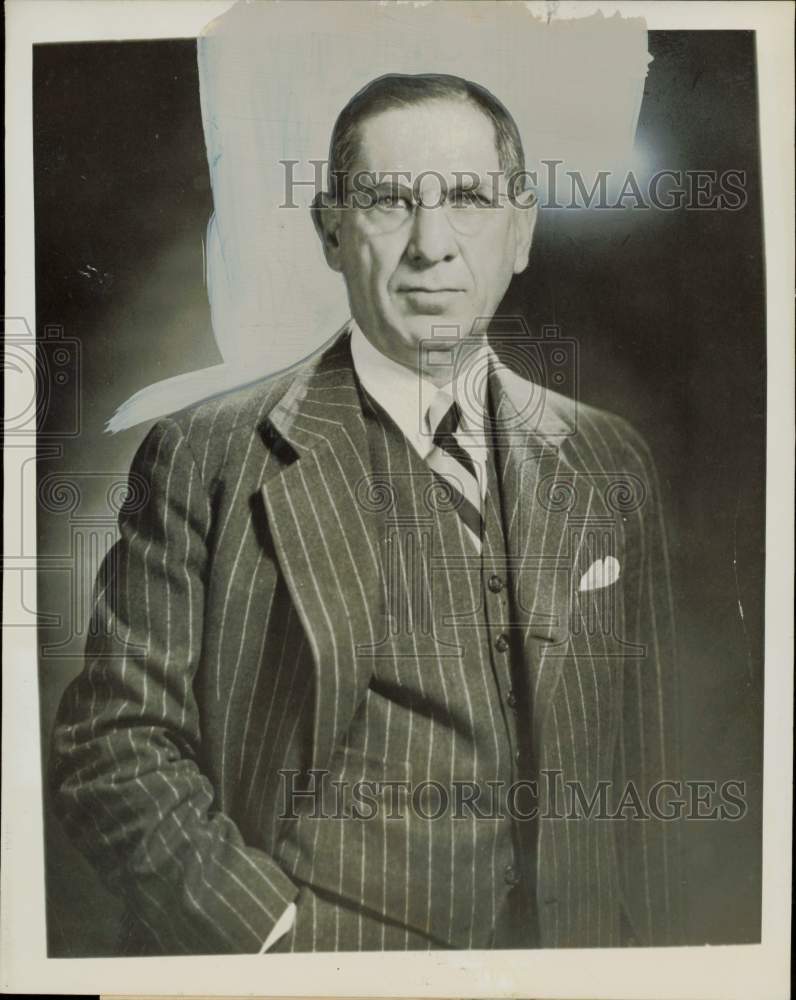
x: 467, y: 183
x: 392, y: 185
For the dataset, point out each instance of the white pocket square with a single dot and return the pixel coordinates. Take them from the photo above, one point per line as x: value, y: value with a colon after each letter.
x: 601, y: 573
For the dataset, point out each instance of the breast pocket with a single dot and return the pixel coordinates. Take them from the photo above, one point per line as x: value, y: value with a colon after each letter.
x: 598, y: 597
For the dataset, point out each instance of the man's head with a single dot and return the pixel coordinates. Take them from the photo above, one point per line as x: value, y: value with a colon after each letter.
x: 417, y: 219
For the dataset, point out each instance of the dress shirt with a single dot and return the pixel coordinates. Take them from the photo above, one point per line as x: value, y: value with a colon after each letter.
x: 407, y: 396
x: 281, y: 927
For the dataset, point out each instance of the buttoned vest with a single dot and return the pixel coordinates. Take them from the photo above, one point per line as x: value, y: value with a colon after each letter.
x: 425, y: 766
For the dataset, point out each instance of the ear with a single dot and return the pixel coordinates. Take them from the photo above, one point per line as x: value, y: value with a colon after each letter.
x: 326, y: 220
x: 525, y: 210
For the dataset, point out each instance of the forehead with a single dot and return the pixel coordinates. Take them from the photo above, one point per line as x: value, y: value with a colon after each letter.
x: 442, y: 135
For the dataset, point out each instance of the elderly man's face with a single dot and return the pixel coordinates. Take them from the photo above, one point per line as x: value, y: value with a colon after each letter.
x: 410, y: 267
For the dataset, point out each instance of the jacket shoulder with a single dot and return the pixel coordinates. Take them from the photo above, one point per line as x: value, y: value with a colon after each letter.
x: 608, y: 444
x: 219, y: 430
x: 238, y: 410
x: 559, y: 419
x: 592, y: 435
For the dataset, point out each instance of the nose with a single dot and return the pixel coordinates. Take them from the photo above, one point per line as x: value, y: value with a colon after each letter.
x: 432, y: 238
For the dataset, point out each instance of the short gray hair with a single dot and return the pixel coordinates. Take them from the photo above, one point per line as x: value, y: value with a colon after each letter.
x: 395, y: 90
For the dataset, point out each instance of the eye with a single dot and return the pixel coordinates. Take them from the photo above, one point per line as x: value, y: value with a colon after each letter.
x: 392, y: 202
x: 470, y: 198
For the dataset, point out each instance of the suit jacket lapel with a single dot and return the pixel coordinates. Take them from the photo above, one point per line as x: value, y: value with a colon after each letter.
x: 323, y: 537
x: 540, y: 500
x: 328, y: 537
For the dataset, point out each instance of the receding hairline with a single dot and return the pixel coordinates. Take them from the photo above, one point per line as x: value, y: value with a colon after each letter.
x: 423, y: 102
x: 394, y: 91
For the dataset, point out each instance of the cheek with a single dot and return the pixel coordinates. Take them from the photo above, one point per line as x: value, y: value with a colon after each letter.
x: 370, y: 260
x: 491, y: 260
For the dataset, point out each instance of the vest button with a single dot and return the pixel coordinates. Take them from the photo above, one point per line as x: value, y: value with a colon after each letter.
x: 501, y: 643
x: 495, y: 584
x: 511, y: 875
x: 511, y: 699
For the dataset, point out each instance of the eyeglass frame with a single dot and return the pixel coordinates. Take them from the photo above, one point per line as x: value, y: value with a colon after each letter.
x: 367, y: 197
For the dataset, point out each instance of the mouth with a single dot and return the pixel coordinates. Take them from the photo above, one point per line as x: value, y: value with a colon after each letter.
x: 424, y: 300
x: 424, y: 290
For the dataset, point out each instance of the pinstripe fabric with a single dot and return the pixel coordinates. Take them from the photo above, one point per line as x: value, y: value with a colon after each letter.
x: 240, y: 617
x: 431, y: 713
x: 603, y: 701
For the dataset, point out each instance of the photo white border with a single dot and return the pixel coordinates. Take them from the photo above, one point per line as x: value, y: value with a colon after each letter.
x: 723, y: 972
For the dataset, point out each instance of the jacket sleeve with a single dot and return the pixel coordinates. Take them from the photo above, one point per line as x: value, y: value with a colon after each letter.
x: 123, y: 771
x: 648, y: 752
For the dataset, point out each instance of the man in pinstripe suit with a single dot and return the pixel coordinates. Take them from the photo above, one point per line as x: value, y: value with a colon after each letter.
x: 403, y: 574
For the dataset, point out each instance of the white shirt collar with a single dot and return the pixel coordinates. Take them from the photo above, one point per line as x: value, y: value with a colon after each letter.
x: 406, y: 395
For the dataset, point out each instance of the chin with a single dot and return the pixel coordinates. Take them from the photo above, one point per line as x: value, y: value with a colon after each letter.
x: 422, y: 326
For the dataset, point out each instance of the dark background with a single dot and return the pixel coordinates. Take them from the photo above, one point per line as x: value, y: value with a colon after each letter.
x: 667, y: 309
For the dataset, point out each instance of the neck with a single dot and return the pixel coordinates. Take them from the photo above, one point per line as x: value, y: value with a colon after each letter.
x: 458, y: 354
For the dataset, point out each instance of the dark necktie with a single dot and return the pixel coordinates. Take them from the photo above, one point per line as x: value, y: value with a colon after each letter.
x: 454, y: 465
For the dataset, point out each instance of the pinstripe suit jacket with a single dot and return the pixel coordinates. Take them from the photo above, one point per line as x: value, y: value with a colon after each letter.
x: 230, y: 621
